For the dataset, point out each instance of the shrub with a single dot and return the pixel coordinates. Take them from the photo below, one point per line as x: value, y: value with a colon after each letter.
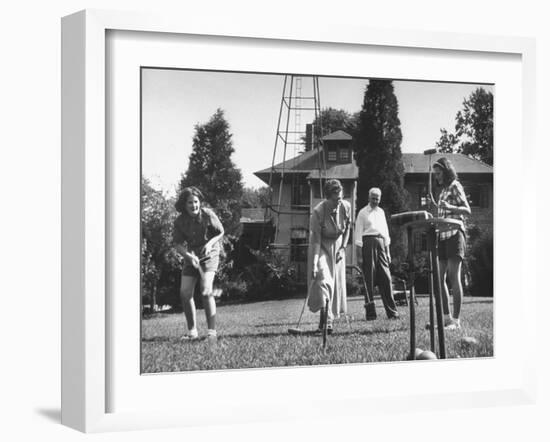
x: 235, y: 290
x: 421, y: 268
x: 354, y: 286
x: 226, y: 270
x: 479, y: 261
x: 262, y: 275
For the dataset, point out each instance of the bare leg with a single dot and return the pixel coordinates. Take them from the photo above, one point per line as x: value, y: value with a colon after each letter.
x: 209, y: 303
x: 454, y: 266
x: 187, y: 288
x: 444, y: 288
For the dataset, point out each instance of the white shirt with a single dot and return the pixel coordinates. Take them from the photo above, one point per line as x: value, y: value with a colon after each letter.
x: 371, y: 221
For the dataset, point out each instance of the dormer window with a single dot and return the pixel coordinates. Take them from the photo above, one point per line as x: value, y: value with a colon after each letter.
x: 344, y: 155
x: 337, y: 146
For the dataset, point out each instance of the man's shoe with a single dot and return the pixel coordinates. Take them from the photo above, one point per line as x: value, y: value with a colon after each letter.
x: 370, y: 311
x: 392, y: 317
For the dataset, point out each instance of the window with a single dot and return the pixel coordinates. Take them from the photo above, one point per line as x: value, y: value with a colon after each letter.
x: 298, y: 249
x: 478, y: 196
x: 300, y: 195
x: 331, y: 155
x: 474, y: 195
x: 316, y: 188
x: 344, y: 155
x: 347, y: 185
x: 422, y: 195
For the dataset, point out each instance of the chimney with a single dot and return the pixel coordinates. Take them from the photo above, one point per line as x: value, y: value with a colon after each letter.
x: 309, y: 136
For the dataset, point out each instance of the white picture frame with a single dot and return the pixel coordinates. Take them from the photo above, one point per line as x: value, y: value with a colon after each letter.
x: 86, y: 215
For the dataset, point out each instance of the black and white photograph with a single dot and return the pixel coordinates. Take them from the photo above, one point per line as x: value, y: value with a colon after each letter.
x: 303, y: 220
x: 275, y: 221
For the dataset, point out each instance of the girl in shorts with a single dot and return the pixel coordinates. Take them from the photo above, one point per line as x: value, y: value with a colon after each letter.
x: 196, y: 236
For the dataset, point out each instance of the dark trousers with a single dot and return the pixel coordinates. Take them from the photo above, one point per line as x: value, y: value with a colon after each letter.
x: 376, y: 270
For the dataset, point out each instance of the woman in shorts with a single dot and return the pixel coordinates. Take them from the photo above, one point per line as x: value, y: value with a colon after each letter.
x: 452, y: 203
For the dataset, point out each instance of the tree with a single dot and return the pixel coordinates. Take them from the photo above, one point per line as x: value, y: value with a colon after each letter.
x: 377, y: 148
x: 447, y: 142
x: 331, y: 120
x: 159, y: 264
x: 473, y: 129
x: 212, y: 170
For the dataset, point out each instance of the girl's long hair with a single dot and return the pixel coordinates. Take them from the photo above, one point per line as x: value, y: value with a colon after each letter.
x: 185, y: 194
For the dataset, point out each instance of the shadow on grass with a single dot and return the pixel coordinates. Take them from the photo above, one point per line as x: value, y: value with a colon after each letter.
x: 303, y: 332
x: 276, y: 324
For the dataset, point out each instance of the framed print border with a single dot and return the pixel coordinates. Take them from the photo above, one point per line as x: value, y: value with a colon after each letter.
x: 85, y: 204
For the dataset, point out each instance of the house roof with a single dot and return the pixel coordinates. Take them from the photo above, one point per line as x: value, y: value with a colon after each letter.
x: 303, y: 163
x: 337, y: 135
x: 338, y: 171
x: 419, y: 163
x: 252, y: 215
x: 308, y: 163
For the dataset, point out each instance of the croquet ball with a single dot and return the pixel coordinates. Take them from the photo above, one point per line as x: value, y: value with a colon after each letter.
x: 427, y: 354
x: 417, y: 353
x: 468, y: 341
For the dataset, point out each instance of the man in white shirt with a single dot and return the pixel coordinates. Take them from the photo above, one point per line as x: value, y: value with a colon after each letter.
x: 372, y: 240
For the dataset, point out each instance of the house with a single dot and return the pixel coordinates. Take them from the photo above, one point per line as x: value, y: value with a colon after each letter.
x: 297, y: 188
x: 256, y: 231
x: 475, y: 176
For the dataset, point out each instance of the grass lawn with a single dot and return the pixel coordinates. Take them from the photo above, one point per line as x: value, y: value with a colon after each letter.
x: 255, y: 335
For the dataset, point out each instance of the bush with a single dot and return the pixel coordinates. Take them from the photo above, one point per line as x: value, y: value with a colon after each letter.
x: 226, y: 270
x: 354, y: 285
x: 479, y: 261
x: 421, y: 268
x: 234, y: 290
x: 265, y: 275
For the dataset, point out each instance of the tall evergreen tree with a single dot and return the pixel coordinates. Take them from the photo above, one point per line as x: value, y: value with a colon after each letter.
x: 212, y: 170
x: 377, y: 148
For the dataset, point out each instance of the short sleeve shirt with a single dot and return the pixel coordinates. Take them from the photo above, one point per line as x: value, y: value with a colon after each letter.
x: 453, y: 194
x: 196, y: 231
x: 330, y: 224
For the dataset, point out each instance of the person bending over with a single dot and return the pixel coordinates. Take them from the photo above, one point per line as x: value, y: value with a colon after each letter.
x: 329, y: 234
x: 196, y: 236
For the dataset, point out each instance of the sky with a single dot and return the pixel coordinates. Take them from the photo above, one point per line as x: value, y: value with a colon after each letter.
x: 174, y: 101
